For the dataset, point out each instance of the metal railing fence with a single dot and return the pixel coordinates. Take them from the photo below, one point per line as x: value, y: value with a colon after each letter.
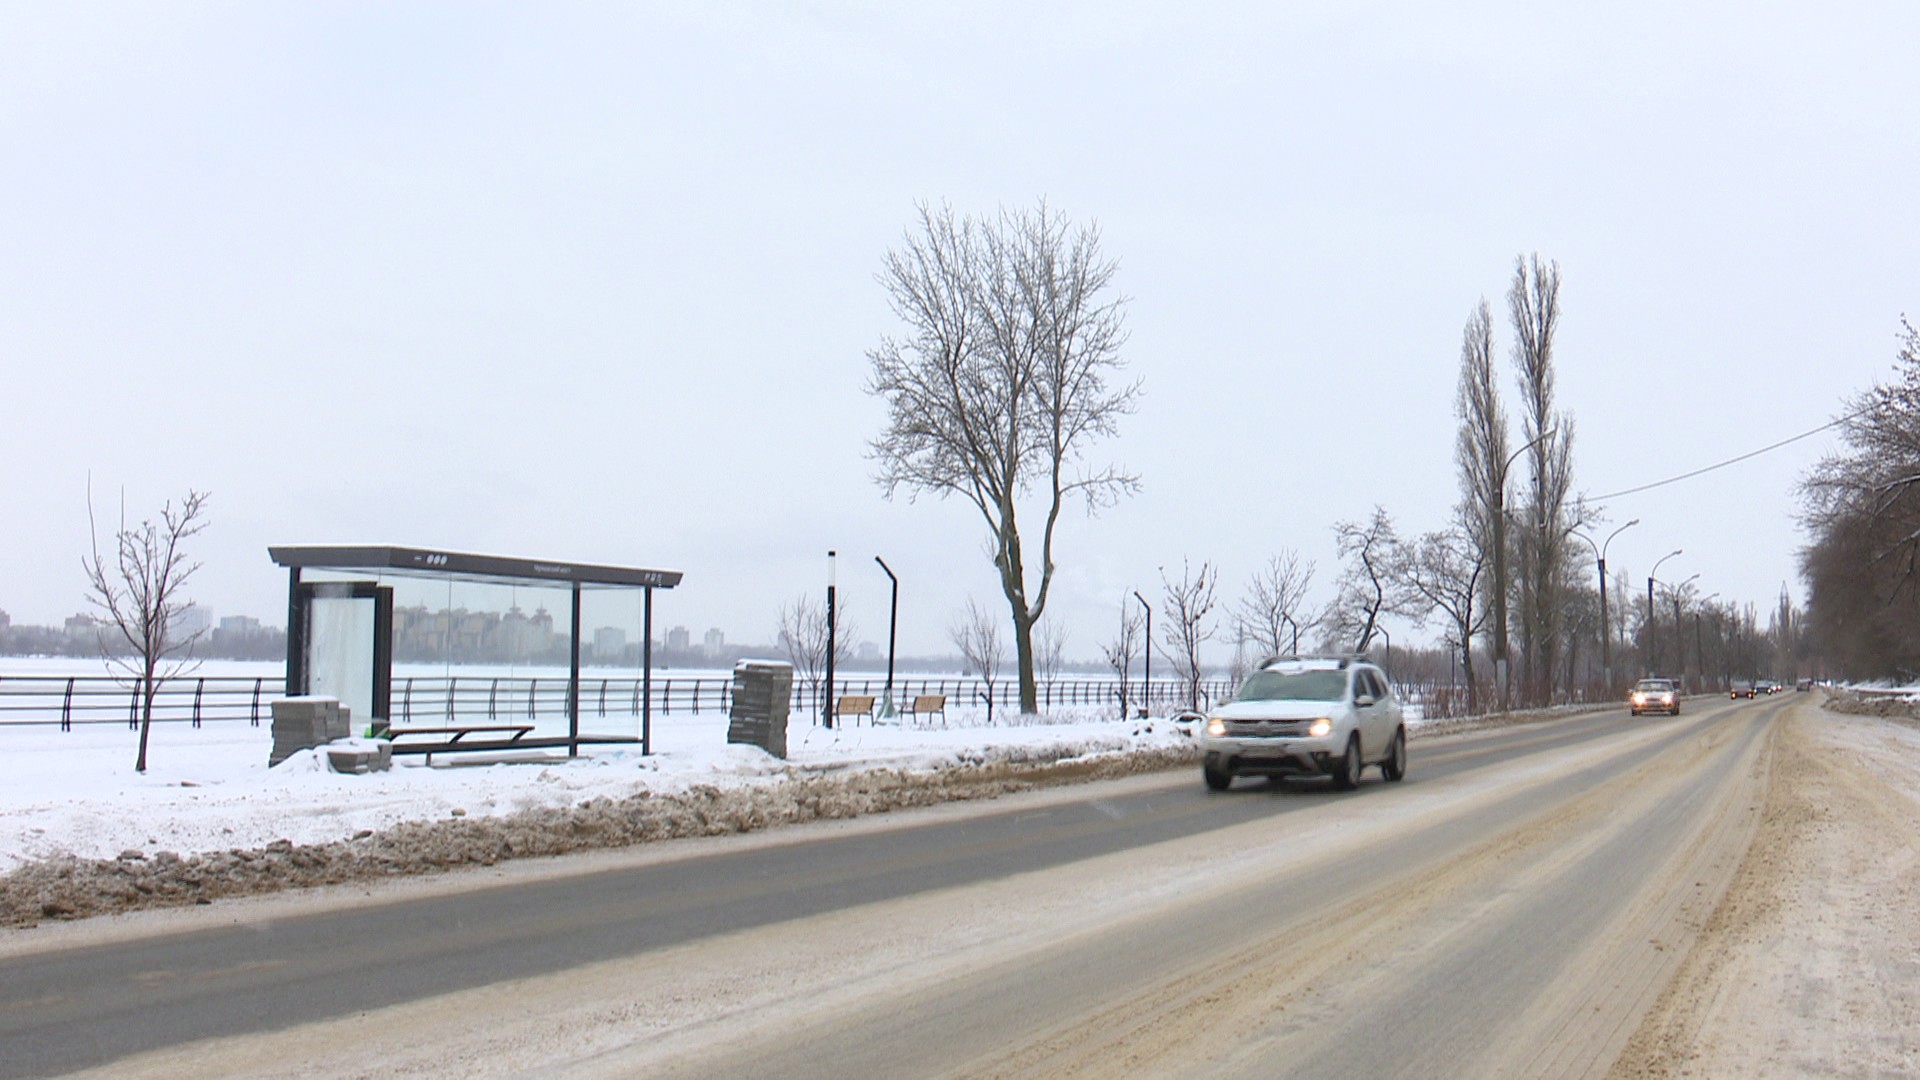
x: 67, y: 700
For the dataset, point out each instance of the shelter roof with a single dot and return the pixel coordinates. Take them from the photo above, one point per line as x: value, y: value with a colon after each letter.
x: 466, y: 566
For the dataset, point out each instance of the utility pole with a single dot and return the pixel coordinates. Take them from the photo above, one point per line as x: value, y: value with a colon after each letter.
x: 1653, y: 635
x: 1500, y: 660
x: 1606, y: 628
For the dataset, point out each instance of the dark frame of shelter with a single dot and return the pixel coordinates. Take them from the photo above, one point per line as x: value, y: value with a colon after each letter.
x: 387, y: 561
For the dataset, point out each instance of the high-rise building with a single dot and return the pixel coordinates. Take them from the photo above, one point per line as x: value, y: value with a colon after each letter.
x: 609, y: 643
x: 716, y: 641
x: 678, y: 639
x: 192, y: 619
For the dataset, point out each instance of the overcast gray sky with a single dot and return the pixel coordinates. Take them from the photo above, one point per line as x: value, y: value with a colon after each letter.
x: 596, y: 281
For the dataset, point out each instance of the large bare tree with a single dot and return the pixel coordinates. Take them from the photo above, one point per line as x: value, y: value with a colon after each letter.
x: 1444, y: 573
x: 1533, y: 302
x: 1861, y: 507
x: 1368, y: 587
x: 1269, y: 616
x: 1483, y: 457
x: 1002, y: 382
x: 140, y: 591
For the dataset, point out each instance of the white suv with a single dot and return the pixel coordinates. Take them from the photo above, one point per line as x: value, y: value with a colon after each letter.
x: 1307, y: 716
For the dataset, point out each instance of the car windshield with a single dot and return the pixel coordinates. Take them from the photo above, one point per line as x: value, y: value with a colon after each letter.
x: 1654, y: 685
x: 1293, y: 686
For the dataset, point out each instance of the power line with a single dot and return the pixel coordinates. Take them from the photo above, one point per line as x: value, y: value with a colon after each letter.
x: 1732, y: 460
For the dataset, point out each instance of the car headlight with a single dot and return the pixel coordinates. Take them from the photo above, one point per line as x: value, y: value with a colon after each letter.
x: 1639, y: 699
x: 1320, y: 728
x: 1216, y: 727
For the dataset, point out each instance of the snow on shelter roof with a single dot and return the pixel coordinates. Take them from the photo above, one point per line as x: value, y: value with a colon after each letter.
x: 466, y: 566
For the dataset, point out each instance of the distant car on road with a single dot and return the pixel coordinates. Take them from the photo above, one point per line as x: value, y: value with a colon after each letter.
x: 1741, y: 690
x: 1654, y: 695
x: 1803, y: 685
x: 1307, y: 716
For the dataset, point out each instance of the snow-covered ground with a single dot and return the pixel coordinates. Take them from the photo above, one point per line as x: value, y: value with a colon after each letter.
x: 209, y: 789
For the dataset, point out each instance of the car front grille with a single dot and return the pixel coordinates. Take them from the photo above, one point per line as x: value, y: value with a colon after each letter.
x: 1273, y: 729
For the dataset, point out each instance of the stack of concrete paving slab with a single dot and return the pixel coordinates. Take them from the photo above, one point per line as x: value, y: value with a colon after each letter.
x: 762, y: 695
x: 301, y: 723
x: 360, y: 755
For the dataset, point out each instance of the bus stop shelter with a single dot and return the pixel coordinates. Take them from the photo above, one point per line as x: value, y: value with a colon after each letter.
x: 340, y: 625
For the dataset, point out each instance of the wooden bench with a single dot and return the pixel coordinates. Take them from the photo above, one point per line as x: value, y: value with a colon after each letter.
x: 928, y: 705
x: 854, y: 705
x: 504, y: 737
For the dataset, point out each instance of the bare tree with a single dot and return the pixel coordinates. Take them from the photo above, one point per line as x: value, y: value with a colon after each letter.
x: 1186, y: 625
x: 1269, y: 616
x: 1534, y: 304
x: 1861, y: 505
x: 1120, y: 651
x: 1049, y: 649
x: 1367, y: 587
x: 1483, y: 457
x: 1000, y: 384
x: 1444, y: 573
x: 977, y: 636
x: 140, y: 594
x: 803, y: 636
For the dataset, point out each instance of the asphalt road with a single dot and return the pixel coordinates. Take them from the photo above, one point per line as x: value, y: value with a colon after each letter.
x: 1506, y: 862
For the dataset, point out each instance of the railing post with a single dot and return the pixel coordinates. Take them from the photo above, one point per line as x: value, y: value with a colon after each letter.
x: 453, y: 688
x: 199, y: 687
x: 253, y: 710
x: 66, y: 708
x: 603, y: 697
x: 493, y: 696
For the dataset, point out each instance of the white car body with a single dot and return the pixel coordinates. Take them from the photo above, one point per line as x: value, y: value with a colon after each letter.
x: 1298, y: 737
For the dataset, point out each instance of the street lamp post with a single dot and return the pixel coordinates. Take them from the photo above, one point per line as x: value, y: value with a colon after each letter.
x: 1500, y: 664
x: 893, y: 631
x: 1679, y: 627
x: 1606, y: 626
x: 1146, y: 689
x: 1653, y: 628
x: 826, y: 705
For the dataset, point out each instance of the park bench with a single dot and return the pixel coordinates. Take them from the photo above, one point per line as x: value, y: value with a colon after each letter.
x: 451, y: 739
x: 928, y: 705
x: 854, y: 705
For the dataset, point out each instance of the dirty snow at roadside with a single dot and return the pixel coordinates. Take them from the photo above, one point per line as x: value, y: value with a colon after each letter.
x: 209, y: 789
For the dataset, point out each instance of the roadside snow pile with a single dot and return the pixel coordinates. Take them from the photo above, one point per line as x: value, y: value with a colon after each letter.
x: 1902, y: 703
x: 83, y: 835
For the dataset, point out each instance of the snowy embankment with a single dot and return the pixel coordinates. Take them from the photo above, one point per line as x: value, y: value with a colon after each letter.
x: 81, y: 833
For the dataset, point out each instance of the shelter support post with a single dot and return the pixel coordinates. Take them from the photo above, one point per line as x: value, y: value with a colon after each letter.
x: 646, y: 672
x: 573, y: 680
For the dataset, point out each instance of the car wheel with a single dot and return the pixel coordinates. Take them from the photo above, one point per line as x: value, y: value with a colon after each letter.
x: 1395, y: 767
x: 1348, y: 777
x: 1217, y: 779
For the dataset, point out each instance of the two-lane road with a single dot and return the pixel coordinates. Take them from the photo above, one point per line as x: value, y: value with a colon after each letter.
x: 1522, y: 894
